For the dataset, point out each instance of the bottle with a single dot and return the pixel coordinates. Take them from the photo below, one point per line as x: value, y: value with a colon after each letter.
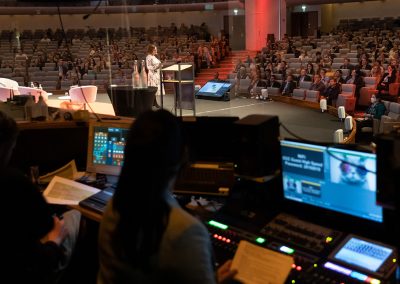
x: 40, y: 87
x: 42, y: 108
x: 143, y: 75
x: 135, y: 75
x: 28, y: 108
x: 32, y: 85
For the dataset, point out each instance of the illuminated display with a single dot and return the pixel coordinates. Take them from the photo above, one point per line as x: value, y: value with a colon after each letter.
x: 108, y: 146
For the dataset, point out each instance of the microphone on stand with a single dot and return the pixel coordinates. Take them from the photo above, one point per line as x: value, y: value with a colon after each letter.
x: 85, y: 17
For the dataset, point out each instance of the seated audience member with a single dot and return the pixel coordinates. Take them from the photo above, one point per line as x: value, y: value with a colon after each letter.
x: 325, y: 79
x: 39, y: 245
x: 357, y: 79
x: 255, y: 86
x: 387, y: 78
x: 332, y: 92
x: 273, y: 82
x: 317, y: 84
x: 364, y: 64
x: 310, y: 69
x: 154, y: 241
x: 375, y: 111
x: 347, y: 65
x: 288, y: 86
x: 303, y: 77
x: 338, y: 76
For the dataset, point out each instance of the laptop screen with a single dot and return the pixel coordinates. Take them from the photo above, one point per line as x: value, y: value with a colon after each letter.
x: 106, y: 147
x: 336, y: 179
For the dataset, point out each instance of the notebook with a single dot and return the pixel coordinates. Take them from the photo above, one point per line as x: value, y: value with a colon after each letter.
x: 106, y: 144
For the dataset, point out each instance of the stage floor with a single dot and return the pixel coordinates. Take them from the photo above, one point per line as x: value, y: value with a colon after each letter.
x: 307, y: 123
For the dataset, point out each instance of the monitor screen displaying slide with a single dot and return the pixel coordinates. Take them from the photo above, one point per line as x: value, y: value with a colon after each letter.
x: 336, y: 179
x: 106, y: 147
x: 214, y: 88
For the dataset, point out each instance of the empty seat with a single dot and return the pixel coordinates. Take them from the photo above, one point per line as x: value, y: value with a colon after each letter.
x: 33, y: 92
x: 305, y: 85
x: 299, y: 94
x: 367, y: 91
x: 5, y: 93
x: 243, y: 87
x: 349, y: 89
x: 273, y: 91
x: 312, y: 96
x: 83, y: 94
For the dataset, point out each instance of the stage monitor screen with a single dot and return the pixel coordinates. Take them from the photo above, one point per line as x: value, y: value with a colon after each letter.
x: 337, y: 179
x: 106, y: 147
x: 214, y: 89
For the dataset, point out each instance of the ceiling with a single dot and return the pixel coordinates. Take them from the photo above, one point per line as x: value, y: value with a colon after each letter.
x: 318, y: 2
x: 222, y: 5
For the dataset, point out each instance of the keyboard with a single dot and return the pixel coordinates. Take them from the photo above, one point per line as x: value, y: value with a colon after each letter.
x: 98, y: 201
x: 293, y: 231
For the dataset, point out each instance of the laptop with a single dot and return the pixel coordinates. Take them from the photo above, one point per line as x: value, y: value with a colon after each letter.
x: 210, y: 166
x: 106, y: 144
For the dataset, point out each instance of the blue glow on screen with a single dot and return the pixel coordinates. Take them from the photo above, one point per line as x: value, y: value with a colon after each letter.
x: 336, y: 179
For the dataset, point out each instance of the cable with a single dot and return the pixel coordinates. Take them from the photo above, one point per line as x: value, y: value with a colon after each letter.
x: 293, y: 134
x: 85, y: 17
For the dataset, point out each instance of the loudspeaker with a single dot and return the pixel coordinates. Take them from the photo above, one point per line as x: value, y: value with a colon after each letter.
x: 341, y: 112
x: 258, y: 148
x: 348, y: 123
x: 323, y: 105
x: 338, y: 136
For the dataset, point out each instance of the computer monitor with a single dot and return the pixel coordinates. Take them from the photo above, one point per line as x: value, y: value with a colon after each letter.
x: 106, y: 146
x: 337, y: 179
x: 214, y: 89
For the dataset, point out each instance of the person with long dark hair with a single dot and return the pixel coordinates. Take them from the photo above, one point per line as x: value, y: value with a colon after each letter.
x: 145, y: 236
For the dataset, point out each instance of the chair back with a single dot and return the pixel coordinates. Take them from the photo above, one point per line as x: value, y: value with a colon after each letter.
x: 83, y: 94
x: 312, y: 96
x: 349, y: 89
x: 9, y: 83
x: 370, y: 82
x: 5, y: 93
x: 305, y: 85
x: 299, y: 94
x: 34, y: 92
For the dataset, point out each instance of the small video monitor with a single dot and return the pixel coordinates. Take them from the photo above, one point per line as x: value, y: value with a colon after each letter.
x: 214, y: 89
x: 365, y: 255
x: 106, y: 147
x: 341, y: 180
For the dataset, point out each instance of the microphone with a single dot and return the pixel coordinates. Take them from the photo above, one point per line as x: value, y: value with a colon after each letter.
x: 85, y: 17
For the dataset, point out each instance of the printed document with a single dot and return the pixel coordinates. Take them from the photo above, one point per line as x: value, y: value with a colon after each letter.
x: 67, y: 192
x: 258, y: 265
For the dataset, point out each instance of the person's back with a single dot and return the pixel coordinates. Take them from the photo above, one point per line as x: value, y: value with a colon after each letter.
x: 37, y: 245
x: 145, y: 236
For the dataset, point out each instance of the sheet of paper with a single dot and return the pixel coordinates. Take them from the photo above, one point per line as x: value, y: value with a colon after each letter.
x: 67, y: 192
x: 258, y: 265
x: 68, y: 171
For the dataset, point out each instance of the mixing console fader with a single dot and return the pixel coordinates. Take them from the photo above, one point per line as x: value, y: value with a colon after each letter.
x: 289, y: 230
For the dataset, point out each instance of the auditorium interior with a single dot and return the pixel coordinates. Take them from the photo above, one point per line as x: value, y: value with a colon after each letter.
x: 290, y: 110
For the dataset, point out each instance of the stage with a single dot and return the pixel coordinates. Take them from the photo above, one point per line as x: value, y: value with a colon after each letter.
x: 307, y: 123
